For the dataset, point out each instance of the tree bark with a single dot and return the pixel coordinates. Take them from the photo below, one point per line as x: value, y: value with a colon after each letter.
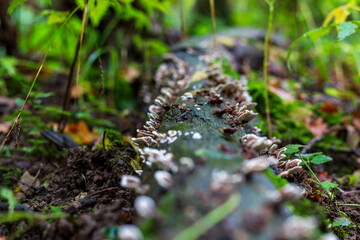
x: 206, y: 170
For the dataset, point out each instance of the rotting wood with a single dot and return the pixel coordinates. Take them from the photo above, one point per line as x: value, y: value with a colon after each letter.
x: 200, y: 154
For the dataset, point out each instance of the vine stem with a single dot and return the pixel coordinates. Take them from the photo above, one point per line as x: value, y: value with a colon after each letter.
x: 266, y: 63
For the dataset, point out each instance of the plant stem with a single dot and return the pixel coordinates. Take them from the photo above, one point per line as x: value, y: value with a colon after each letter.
x: 182, y: 21
x: 36, y: 77
x: 212, y: 8
x: 266, y: 63
x: 311, y: 171
x: 349, y: 204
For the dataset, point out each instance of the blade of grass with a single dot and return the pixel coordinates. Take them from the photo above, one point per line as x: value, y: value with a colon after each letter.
x: 36, y: 77
x: 266, y: 64
x: 211, y: 219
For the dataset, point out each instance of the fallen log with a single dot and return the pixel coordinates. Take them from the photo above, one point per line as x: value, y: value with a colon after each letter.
x: 206, y: 171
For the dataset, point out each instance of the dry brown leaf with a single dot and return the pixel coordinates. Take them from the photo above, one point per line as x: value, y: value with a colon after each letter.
x: 81, y: 133
x: 4, y: 127
x: 352, y: 137
x: 27, y: 181
x: 329, y: 107
x: 316, y: 126
x: 77, y: 91
x: 356, y: 119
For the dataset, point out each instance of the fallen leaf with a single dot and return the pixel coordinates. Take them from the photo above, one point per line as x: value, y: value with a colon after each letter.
x: 81, y: 133
x: 4, y: 127
x: 323, y: 176
x: 283, y: 94
x: 316, y: 126
x: 131, y: 74
x: 198, y: 76
x: 329, y: 107
x: 227, y: 41
x: 27, y: 181
x: 77, y: 91
x: 300, y: 114
x: 352, y: 137
x: 356, y: 119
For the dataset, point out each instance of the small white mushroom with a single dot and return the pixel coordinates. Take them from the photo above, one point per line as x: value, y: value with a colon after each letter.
x: 298, y: 228
x: 163, y: 178
x: 187, y: 162
x: 144, y: 141
x: 247, y: 116
x: 291, y: 192
x: 168, y: 92
x: 196, y: 136
x: 130, y: 182
x: 273, y: 148
x: 258, y: 164
x: 129, y: 232
x: 171, y: 139
x: 172, y: 133
x: 145, y: 206
x: 329, y: 236
x: 156, y: 109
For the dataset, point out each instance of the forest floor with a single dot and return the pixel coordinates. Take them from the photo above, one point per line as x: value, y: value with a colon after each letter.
x: 84, y: 184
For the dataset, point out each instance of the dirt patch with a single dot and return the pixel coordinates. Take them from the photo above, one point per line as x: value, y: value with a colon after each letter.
x: 86, y: 186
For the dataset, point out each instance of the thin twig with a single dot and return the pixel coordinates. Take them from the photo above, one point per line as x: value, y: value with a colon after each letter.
x: 36, y: 176
x: 318, y: 138
x: 101, y: 77
x: 104, y: 190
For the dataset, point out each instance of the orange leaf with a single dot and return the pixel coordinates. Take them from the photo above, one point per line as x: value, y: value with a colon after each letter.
x: 316, y: 126
x: 81, y: 133
x: 329, y: 107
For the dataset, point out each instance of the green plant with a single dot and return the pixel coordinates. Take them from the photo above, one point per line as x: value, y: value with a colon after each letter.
x: 314, y: 158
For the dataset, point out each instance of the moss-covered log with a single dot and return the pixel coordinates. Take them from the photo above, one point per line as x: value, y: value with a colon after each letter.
x: 206, y: 171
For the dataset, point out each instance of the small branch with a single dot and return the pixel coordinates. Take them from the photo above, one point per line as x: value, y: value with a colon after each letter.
x: 318, y: 138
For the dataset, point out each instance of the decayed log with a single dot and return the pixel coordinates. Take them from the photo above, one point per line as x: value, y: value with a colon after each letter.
x: 206, y: 169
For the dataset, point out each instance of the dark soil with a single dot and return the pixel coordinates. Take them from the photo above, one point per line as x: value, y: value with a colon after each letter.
x: 85, y: 185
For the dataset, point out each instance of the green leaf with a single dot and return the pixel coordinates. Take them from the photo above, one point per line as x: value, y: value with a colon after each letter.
x: 8, y: 195
x: 293, y: 148
x: 341, y: 221
x: 310, y: 156
x: 346, y: 29
x: 49, y: 2
x: 97, y: 10
x: 321, y: 159
x: 312, y: 35
x: 55, y: 16
x: 14, y: 4
x: 328, y: 185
